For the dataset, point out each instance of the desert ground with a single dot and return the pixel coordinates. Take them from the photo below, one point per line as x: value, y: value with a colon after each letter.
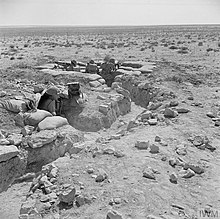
x: 159, y: 159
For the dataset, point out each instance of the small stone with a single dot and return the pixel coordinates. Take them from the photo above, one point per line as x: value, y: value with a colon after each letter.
x: 172, y: 162
x: 173, y: 178
x: 147, y: 115
x: 8, y: 152
x: 196, y: 168
x: 210, y: 115
x: 169, y: 113
x: 190, y: 98
x: 117, y: 201
x: 131, y: 125
x: 109, y: 151
x: 104, y: 109
x: 4, y: 141
x: 115, y: 137
x: 119, y: 154
x: 27, y: 130
x: 197, y: 141
x: 15, y: 139
x: 80, y: 201
x: 76, y: 148
x: 101, y: 176
x: 153, y: 217
x: 154, y: 148
x: 157, y: 139
x: 95, y: 84
x: 90, y: 170
x: 173, y: 103
x: 152, y: 121
x: 112, y: 214
x: 217, y: 123
x: 68, y: 195
x: 3, y: 93
x: 187, y: 173
x: 100, y: 97
x: 181, y: 150
x: 142, y: 145
x: 210, y: 147
x: 163, y: 158
x: 163, y: 143
x: 148, y: 173
x: 182, y: 110
x: 44, y: 198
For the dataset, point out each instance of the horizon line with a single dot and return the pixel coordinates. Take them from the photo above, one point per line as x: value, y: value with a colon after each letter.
x: 106, y: 25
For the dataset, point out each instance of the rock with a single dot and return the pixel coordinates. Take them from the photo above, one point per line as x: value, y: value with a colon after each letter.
x: 198, y: 140
x: 152, y: 121
x: 154, y: 148
x: 147, y: 115
x: 169, y: 113
x: 181, y: 150
x: 187, y: 173
x: 217, y: 123
x: 117, y: 201
x: 116, y: 85
x: 68, y: 196
x: 210, y: 147
x: 112, y: 214
x: 131, y: 125
x: 119, y: 154
x: 27, y: 130
x: 101, y: 80
x: 101, y: 176
x: 182, y: 110
x: 195, y: 167
x: 157, y: 139
x: 148, y: 173
x: 7, y: 152
x: 41, y: 138
x: 15, y: 139
x: 44, y: 198
x: 27, y: 206
x: 172, y: 162
x: 173, y: 103
x: 124, y: 92
x: 142, y: 145
x: 109, y: 151
x: 100, y: 97
x: 80, y: 201
x: 76, y: 148
x: 115, y: 137
x: 45, y: 182
x: 154, y: 106
x: 90, y: 170
x: 4, y: 141
x: 153, y: 217
x: 95, y: 84
x: 190, y: 98
x: 210, y: 115
x: 3, y: 93
x: 104, y: 109
x: 173, y: 178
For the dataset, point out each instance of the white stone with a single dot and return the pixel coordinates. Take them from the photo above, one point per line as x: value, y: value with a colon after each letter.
x: 7, y: 152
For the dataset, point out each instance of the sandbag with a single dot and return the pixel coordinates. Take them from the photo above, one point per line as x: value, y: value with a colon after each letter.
x: 15, y: 106
x: 33, y: 118
x: 52, y: 123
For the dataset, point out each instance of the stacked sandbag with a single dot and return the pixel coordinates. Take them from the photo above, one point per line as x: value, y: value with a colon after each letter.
x: 34, y: 118
x: 14, y: 106
x: 52, y: 123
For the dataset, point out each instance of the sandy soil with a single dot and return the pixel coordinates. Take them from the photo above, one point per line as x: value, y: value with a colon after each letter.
x: 192, y: 73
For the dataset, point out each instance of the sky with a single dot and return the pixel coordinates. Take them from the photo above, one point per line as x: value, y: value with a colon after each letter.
x: 109, y: 12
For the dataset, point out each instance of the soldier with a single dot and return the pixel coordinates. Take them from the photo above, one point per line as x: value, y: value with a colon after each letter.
x: 92, y: 68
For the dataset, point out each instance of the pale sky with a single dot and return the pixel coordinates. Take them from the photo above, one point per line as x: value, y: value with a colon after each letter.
x: 109, y: 12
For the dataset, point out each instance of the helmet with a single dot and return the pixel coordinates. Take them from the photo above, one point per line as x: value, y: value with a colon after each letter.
x: 53, y: 91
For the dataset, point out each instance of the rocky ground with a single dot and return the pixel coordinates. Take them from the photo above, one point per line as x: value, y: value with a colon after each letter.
x: 160, y: 160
